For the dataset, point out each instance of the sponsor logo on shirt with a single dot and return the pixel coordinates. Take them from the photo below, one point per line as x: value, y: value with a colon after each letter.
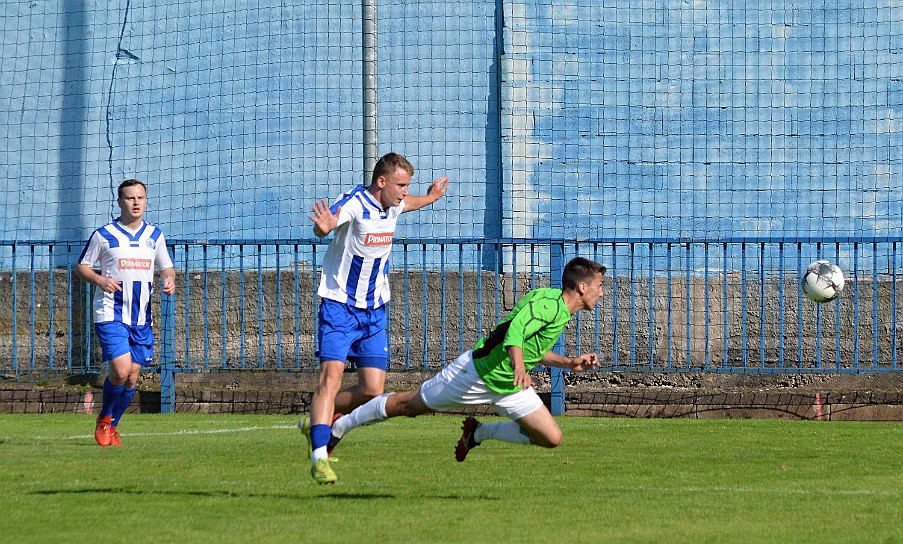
x: 135, y: 264
x: 379, y: 238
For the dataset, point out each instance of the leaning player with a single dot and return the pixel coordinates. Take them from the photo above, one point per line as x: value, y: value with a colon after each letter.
x: 128, y: 249
x: 496, y: 371
x: 354, y: 288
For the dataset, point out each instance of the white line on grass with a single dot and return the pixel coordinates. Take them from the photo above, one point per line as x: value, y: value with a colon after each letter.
x: 651, y: 489
x: 182, y: 432
x: 176, y: 433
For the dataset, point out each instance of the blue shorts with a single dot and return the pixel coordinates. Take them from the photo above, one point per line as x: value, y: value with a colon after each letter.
x: 352, y: 334
x: 117, y: 338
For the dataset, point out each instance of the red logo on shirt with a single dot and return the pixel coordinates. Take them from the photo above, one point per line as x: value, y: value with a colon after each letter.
x: 379, y: 238
x: 134, y: 264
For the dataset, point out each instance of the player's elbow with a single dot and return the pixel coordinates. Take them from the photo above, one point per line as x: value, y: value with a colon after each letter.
x: 81, y: 271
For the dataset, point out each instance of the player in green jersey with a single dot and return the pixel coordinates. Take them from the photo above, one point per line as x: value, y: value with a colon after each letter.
x: 497, y: 371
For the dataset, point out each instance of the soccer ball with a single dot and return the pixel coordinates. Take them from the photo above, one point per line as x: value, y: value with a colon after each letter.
x: 822, y: 282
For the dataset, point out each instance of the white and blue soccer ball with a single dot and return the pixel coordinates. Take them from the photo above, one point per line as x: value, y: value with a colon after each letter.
x: 822, y: 282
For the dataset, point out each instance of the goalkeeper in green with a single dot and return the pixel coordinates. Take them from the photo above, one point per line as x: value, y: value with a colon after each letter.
x: 496, y: 371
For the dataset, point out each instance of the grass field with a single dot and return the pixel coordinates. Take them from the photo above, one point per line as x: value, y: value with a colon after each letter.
x: 195, y: 478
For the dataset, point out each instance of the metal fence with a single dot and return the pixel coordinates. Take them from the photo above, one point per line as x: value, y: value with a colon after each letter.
x: 726, y: 305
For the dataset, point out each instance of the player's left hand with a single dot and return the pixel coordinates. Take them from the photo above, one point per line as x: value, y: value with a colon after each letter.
x: 585, y: 362
x: 169, y: 286
x: 323, y: 217
x: 438, y: 188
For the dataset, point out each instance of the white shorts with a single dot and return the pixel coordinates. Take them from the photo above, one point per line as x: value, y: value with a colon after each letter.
x: 459, y: 385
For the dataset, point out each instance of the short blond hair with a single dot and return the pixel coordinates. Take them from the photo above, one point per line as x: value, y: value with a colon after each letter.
x: 389, y: 163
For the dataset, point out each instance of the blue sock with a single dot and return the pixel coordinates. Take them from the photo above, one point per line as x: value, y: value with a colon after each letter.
x: 110, y: 394
x: 121, y: 404
x: 319, y: 436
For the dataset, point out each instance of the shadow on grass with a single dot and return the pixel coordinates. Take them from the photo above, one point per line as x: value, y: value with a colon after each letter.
x: 325, y: 494
x: 188, y: 493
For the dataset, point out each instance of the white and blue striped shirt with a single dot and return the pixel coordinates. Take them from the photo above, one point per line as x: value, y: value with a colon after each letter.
x: 129, y: 257
x: 356, y: 265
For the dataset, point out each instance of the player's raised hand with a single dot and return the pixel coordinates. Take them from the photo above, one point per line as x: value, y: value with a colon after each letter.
x: 585, y: 362
x: 323, y: 218
x: 438, y: 187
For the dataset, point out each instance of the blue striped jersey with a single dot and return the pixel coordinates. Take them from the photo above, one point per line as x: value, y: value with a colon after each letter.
x: 356, y: 265
x: 129, y: 257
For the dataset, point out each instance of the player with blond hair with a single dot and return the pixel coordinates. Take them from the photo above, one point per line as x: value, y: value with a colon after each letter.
x: 354, y: 290
x: 497, y: 371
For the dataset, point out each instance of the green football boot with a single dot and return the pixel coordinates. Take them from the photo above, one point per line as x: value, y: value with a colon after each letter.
x: 304, y: 426
x: 322, y: 473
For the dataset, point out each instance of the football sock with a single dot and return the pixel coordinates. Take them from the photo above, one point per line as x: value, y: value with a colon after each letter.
x: 370, y: 412
x: 121, y: 404
x: 319, y: 453
x: 110, y: 394
x: 319, y: 437
x: 506, y: 431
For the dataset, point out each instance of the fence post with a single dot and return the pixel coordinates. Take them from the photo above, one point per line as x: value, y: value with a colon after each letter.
x: 369, y: 86
x: 167, y: 355
x: 556, y: 375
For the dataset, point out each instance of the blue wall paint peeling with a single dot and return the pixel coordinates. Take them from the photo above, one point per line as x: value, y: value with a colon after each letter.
x: 582, y: 119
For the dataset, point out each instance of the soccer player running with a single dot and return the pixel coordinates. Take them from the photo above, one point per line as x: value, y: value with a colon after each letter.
x: 354, y: 288
x: 496, y: 371
x: 128, y: 250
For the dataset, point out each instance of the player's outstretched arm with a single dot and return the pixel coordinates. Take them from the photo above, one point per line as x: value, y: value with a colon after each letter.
x: 434, y: 193
x: 582, y: 362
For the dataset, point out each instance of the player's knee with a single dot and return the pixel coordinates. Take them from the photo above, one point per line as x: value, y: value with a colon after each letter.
x: 329, y: 385
x: 549, y: 440
x: 371, y: 391
x: 118, y: 377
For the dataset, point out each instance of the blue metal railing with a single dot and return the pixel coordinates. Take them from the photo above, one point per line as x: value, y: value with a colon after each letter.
x: 720, y: 305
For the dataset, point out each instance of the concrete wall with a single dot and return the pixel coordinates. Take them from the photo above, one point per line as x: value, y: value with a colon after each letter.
x: 865, y: 322
x: 830, y: 398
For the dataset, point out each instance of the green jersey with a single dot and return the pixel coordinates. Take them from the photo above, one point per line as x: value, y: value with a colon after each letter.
x: 534, y: 325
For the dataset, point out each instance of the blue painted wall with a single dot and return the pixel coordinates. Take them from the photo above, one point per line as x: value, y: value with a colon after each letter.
x: 579, y: 119
x: 706, y: 119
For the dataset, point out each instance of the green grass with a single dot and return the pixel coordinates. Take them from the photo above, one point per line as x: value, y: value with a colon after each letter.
x: 195, y: 478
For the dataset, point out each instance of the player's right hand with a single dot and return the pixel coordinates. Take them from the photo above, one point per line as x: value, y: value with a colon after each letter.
x: 522, y: 379
x: 109, y: 285
x: 323, y: 219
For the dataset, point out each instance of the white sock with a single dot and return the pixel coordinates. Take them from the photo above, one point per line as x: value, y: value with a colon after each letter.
x: 365, y: 414
x: 319, y: 453
x: 506, y: 431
